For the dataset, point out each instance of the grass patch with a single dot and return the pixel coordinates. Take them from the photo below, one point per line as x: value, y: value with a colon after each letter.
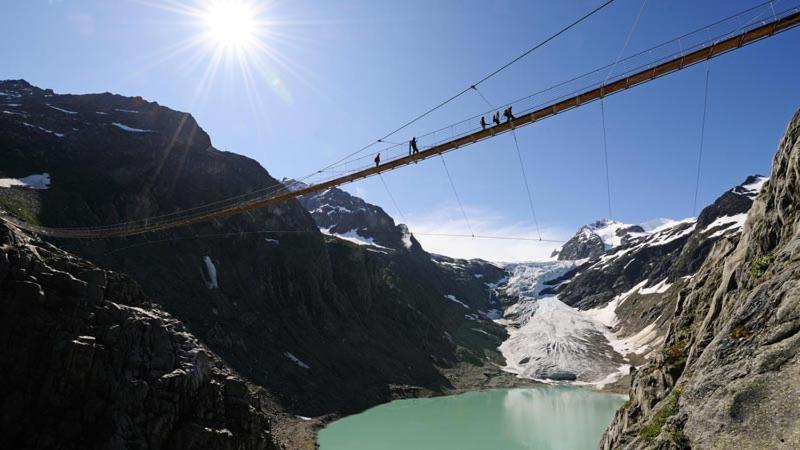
x: 18, y: 209
x: 675, y: 353
x: 679, y: 437
x: 670, y: 408
x: 759, y: 266
x: 478, y: 341
x: 740, y: 332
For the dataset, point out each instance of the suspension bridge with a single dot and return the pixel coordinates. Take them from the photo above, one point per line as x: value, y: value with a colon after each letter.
x: 714, y: 46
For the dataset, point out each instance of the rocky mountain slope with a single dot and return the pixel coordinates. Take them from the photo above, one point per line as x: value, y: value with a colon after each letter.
x: 325, y: 325
x: 89, y: 362
x: 728, y: 373
x: 593, y: 318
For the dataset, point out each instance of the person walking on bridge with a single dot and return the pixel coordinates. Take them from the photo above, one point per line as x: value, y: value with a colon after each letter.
x: 508, y: 114
x: 378, y: 159
x: 496, y: 118
x: 483, y: 123
x: 412, y: 146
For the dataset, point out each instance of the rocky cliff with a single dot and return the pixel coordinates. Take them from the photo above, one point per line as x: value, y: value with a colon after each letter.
x: 727, y: 376
x: 89, y: 362
x: 324, y: 324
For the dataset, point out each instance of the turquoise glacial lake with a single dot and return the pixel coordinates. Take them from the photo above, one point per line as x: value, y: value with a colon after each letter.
x: 539, y: 418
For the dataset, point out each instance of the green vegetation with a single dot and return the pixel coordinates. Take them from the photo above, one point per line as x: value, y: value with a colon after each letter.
x: 759, y: 266
x: 740, y: 332
x: 18, y: 209
x: 478, y: 341
x: 675, y: 354
x: 670, y: 408
x: 679, y: 437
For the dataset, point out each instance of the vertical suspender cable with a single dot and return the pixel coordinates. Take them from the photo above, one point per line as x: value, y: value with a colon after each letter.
x: 522, y: 168
x: 603, y: 108
x: 527, y: 187
x: 458, y: 199
x: 394, y: 202
x: 605, y: 155
x: 475, y: 88
x: 702, y: 139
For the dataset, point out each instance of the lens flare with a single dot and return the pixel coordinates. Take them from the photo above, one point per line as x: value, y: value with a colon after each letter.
x: 231, y: 23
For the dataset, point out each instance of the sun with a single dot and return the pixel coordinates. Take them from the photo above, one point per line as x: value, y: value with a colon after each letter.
x: 231, y: 23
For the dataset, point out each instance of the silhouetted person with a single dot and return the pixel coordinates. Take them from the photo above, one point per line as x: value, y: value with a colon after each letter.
x: 377, y: 160
x: 412, y: 146
x: 496, y: 118
x: 508, y: 114
x: 483, y: 123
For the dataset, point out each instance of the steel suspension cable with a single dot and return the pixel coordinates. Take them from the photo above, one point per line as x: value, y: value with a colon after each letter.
x: 522, y: 168
x: 458, y: 199
x: 391, y: 197
x: 787, y: 20
x: 527, y: 186
x: 605, y: 156
x: 475, y: 88
x: 482, y: 80
x: 482, y: 236
x: 603, y: 109
x: 702, y: 139
x: 612, y: 64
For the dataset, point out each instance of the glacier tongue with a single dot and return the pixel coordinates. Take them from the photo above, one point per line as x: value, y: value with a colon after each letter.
x: 559, y: 342
x: 549, y: 340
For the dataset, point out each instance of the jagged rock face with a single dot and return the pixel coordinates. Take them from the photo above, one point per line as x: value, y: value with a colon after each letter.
x: 585, y: 244
x: 89, y: 363
x: 666, y: 254
x: 112, y: 158
x: 324, y: 325
x: 340, y: 213
x: 343, y: 214
x: 595, y: 239
x: 729, y: 373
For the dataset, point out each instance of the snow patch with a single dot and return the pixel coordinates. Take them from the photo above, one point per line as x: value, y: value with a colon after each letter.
x: 296, y: 360
x: 453, y: 298
x: 607, y: 315
x: 670, y: 234
x: 659, y: 288
x: 36, y: 181
x: 210, y: 274
x: 65, y: 111
x: 131, y: 111
x: 405, y: 236
x: 728, y: 224
x: 751, y: 189
x: 131, y: 129
x: 354, y: 237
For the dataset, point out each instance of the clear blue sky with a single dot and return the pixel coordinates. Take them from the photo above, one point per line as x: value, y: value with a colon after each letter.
x: 346, y: 72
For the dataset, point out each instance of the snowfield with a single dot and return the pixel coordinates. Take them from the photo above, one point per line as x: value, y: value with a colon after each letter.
x: 36, y: 181
x: 354, y: 237
x: 131, y: 129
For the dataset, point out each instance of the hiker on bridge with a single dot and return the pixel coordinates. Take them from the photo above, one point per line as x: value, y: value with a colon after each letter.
x: 508, y: 114
x: 483, y: 123
x: 378, y: 159
x: 412, y: 146
x: 496, y: 118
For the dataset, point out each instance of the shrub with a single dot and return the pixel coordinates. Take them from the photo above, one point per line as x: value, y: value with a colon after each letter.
x: 675, y: 353
x: 670, y: 408
x: 740, y: 332
x: 759, y: 266
x: 679, y: 437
